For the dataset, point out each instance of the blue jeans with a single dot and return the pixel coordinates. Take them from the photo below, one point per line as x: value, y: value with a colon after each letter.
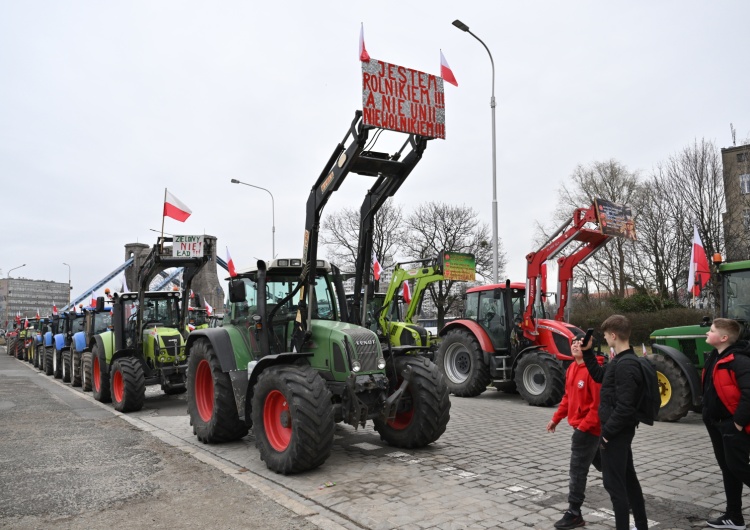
x: 583, y: 448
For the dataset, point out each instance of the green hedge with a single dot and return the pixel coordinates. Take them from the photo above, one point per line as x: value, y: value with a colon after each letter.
x: 591, y: 316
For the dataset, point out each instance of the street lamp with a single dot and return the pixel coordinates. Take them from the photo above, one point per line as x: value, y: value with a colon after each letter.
x: 463, y: 27
x: 273, y: 215
x: 70, y: 287
x: 14, y: 268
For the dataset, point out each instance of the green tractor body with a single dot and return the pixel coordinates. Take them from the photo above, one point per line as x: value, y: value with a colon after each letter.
x: 680, y: 352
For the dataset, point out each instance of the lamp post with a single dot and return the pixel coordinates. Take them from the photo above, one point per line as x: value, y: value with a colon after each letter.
x: 70, y: 287
x: 273, y: 215
x: 463, y: 27
x: 8, y: 301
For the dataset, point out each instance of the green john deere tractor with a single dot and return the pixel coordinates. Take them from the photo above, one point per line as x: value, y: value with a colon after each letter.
x: 680, y: 352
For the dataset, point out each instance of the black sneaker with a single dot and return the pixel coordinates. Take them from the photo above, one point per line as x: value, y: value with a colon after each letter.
x: 570, y: 520
x: 725, y: 521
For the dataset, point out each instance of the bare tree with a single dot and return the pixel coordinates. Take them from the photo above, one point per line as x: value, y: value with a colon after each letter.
x: 435, y: 227
x: 340, y: 234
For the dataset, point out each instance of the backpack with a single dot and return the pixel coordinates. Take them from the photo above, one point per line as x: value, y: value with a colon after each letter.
x: 650, y: 401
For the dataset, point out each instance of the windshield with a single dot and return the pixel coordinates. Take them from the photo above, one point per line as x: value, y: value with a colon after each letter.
x: 77, y: 324
x: 163, y: 312
x: 102, y: 322
x: 736, y: 302
x: 277, y: 289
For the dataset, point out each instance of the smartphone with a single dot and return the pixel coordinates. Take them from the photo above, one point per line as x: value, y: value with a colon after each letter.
x: 587, y: 338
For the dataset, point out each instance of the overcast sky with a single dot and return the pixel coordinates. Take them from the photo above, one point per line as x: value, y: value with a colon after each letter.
x: 103, y: 105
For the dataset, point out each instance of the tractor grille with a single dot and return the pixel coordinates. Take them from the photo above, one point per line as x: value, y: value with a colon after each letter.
x: 365, y: 344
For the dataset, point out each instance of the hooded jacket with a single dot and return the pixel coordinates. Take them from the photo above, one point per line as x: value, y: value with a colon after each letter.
x: 580, y: 403
x: 726, y: 385
x: 622, y: 384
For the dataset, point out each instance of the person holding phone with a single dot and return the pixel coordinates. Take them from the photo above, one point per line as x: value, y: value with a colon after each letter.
x: 580, y: 405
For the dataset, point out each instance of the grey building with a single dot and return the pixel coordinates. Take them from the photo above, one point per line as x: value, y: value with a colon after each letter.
x: 736, y: 164
x: 24, y: 297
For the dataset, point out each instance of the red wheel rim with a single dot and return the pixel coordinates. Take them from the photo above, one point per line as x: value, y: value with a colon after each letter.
x: 278, y: 435
x: 96, y: 375
x: 204, y: 391
x: 118, y: 388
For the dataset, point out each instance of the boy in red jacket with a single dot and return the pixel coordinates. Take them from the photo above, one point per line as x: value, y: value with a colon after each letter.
x: 580, y: 404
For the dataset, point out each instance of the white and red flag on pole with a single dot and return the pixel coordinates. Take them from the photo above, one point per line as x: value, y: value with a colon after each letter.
x: 209, y: 309
x: 54, y: 309
x: 363, y: 55
x: 699, y: 272
x: 26, y: 323
x: 175, y: 208
x: 406, y: 292
x: 230, y: 265
x: 445, y: 71
x: 37, y: 313
x: 377, y: 270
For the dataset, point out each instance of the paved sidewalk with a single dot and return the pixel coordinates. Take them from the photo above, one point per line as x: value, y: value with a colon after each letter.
x: 495, y: 467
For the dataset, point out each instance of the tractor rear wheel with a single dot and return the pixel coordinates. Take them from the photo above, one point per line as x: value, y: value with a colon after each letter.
x: 676, y: 399
x: 99, y: 379
x: 56, y: 364
x: 65, y: 366
x: 48, y: 368
x: 86, y: 362
x: 211, y: 405
x: 424, y: 409
x: 76, y: 370
x: 460, y: 360
x: 128, y: 384
x: 11, y: 346
x: 293, y: 419
x: 540, y: 379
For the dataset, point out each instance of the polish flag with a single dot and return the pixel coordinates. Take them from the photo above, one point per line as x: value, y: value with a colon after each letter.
x: 699, y: 272
x: 377, y: 270
x: 54, y: 309
x: 26, y: 323
x: 363, y: 55
x: 230, y: 265
x: 445, y: 71
x: 37, y: 313
x: 406, y: 292
x: 18, y: 318
x: 175, y: 208
x: 209, y: 309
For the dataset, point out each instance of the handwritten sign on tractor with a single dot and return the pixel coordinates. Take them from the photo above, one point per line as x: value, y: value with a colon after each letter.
x: 459, y: 267
x: 402, y: 99
x: 615, y: 219
x: 187, y: 247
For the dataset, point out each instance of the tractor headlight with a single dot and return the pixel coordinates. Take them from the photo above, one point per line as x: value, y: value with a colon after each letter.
x: 356, y: 367
x: 381, y: 363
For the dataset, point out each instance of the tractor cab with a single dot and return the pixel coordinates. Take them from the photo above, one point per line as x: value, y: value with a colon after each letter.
x: 486, y: 306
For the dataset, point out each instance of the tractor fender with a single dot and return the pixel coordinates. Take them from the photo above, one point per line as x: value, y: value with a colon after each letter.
x: 527, y: 351
x: 79, y: 341
x: 128, y: 352
x: 475, y: 329
x: 262, y: 364
x: 59, y: 341
x: 48, y: 338
x: 696, y: 389
x: 221, y: 344
x: 99, y: 342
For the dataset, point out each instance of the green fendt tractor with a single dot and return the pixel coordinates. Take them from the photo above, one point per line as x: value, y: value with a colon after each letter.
x: 287, y: 363
x: 147, y: 343
x: 680, y: 352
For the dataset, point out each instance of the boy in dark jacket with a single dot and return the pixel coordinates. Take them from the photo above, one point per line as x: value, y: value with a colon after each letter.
x: 622, y: 385
x: 726, y: 413
x: 580, y: 404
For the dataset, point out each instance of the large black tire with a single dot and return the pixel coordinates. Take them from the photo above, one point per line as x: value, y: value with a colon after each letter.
x: 128, y: 384
x: 48, y: 353
x: 293, y: 419
x: 540, y: 379
x: 11, y: 349
x: 99, y: 378
x: 56, y: 363
x: 86, y: 362
x: 76, y: 369
x: 424, y: 409
x: 461, y: 362
x: 65, y: 366
x: 211, y: 404
x: 676, y: 398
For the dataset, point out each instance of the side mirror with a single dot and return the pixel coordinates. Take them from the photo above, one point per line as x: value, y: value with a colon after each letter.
x: 197, y: 301
x: 237, y: 291
x: 100, y: 304
x: 706, y: 322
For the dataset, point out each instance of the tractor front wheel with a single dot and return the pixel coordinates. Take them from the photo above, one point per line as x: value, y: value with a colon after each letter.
x: 423, y: 411
x: 56, y: 363
x: 128, y: 384
x: 460, y: 360
x: 76, y: 371
x: 65, y: 366
x: 48, y: 368
x: 86, y: 362
x: 293, y: 419
x: 211, y: 405
x: 540, y: 379
x: 99, y: 379
x: 676, y: 399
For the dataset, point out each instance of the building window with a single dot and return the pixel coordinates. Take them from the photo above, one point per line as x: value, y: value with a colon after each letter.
x: 741, y: 157
x: 746, y: 218
x: 745, y: 183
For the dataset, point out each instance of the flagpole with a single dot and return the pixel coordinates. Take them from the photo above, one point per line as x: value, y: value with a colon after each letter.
x: 162, y: 220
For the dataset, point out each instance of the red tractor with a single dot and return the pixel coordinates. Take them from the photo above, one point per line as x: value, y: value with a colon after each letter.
x: 506, y: 339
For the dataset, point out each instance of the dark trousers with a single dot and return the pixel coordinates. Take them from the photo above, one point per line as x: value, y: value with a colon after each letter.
x: 732, y: 450
x: 583, y: 448
x: 621, y: 482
